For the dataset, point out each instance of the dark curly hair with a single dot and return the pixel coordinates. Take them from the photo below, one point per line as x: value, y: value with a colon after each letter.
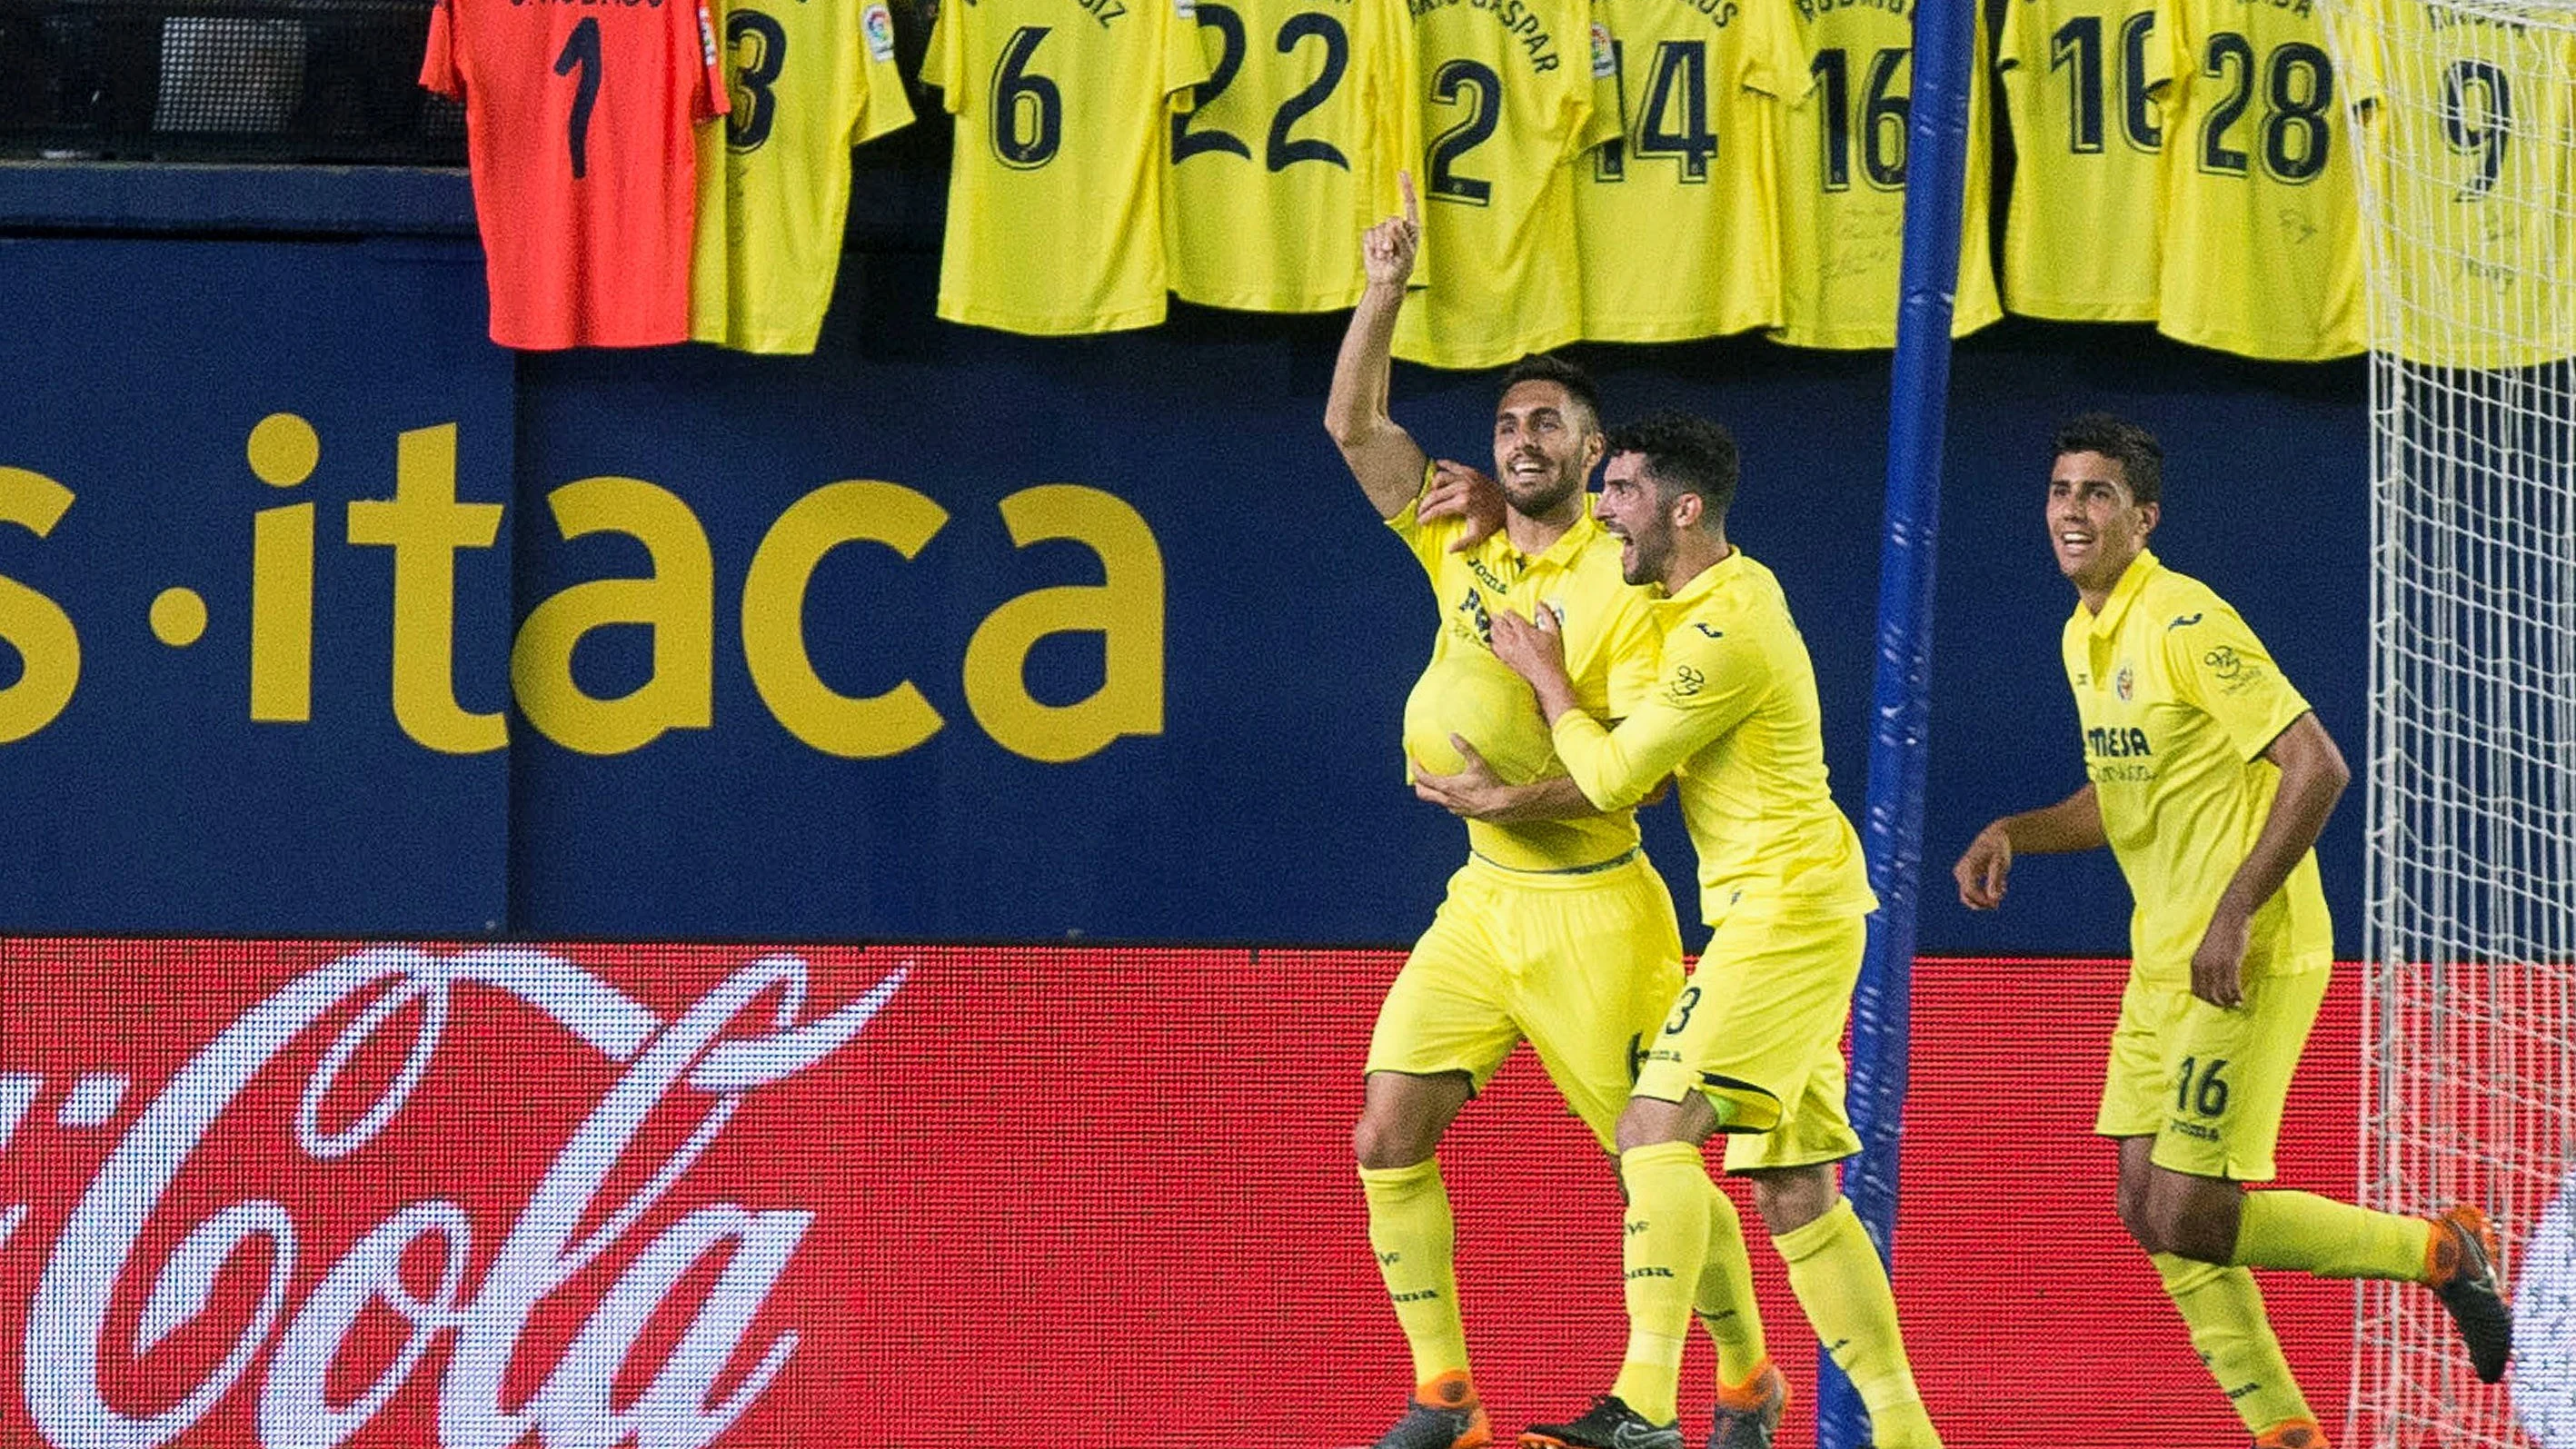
x: 1684, y: 454
x: 2140, y: 456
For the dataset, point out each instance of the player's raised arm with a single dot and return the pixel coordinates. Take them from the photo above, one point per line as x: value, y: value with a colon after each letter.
x: 1383, y: 457
x: 2074, y: 823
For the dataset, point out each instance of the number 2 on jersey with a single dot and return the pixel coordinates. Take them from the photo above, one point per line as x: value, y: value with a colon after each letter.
x: 1475, y: 86
x: 1672, y: 120
x: 581, y: 49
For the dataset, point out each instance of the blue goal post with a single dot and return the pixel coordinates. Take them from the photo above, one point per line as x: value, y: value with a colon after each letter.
x: 1937, y: 149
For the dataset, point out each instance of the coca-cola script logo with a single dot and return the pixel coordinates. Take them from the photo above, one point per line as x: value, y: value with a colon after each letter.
x: 417, y: 1268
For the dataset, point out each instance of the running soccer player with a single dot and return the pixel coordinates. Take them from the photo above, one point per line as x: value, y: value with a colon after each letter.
x: 2210, y: 779
x: 1751, y: 1046
x: 1557, y: 929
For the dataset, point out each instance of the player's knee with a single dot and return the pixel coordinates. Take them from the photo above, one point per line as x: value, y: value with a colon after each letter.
x: 1381, y: 1142
x: 1646, y: 1121
x: 1789, y: 1198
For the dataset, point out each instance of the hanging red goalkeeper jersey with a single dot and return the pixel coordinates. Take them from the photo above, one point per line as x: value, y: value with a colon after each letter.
x: 580, y: 119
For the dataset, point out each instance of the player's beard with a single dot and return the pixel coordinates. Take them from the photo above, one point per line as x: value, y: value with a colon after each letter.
x: 1650, y: 553
x: 1545, y: 498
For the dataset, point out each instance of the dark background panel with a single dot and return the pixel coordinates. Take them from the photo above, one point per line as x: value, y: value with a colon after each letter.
x: 154, y: 802
x: 1270, y: 807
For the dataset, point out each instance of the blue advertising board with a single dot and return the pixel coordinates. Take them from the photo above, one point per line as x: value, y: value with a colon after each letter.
x: 939, y: 633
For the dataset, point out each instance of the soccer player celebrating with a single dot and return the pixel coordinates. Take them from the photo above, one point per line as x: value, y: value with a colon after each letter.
x: 1557, y: 929
x: 2210, y: 779
x: 1752, y: 1045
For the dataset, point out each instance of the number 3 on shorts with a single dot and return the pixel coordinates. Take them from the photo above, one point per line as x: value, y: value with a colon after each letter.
x: 1682, y: 1008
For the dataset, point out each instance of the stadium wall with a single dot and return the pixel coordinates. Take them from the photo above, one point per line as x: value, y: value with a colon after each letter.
x: 410, y: 707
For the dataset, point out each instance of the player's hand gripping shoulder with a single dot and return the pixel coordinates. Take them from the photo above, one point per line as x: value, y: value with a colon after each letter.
x: 1535, y: 650
x: 1460, y: 491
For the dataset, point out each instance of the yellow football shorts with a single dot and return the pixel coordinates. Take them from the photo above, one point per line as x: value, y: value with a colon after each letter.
x: 2207, y: 1083
x: 1581, y: 965
x: 1760, y: 1024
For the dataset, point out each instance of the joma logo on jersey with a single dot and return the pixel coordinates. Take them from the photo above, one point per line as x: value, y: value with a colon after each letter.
x: 1488, y: 577
x: 2116, y: 744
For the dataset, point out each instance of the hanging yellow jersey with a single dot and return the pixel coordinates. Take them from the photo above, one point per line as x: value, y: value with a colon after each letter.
x: 2473, y: 115
x: 2081, y: 234
x: 1512, y: 90
x: 809, y: 79
x: 1289, y: 151
x: 1055, y: 195
x: 2262, y: 240
x: 1677, y: 220
x: 1842, y: 180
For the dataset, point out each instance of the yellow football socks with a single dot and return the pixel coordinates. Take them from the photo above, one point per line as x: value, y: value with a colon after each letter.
x: 2224, y: 1311
x: 1672, y: 1208
x: 1415, y: 1238
x: 1724, y: 1303
x: 2328, y: 1238
x: 1835, y: 1271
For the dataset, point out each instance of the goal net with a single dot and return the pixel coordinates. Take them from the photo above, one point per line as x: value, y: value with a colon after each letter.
x: 2468, y: 179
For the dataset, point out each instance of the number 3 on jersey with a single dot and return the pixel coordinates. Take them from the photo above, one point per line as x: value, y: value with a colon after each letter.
x: 759, y: 48
x: 1672, y: 121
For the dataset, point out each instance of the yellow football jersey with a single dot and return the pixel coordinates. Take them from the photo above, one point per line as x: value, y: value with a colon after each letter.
x: 2475, y: 118
x: 1289, y: 151
x: 1055, y: 195
x: 1732, y: 717
x: 2262, y: 239
x: 1609, y: 651
x: 2082, y: 232
x: 809, y: 79
x: 2178, y: 701
x: 1512, y: 90
x: 1677, y: 220
x: 1842, y: 180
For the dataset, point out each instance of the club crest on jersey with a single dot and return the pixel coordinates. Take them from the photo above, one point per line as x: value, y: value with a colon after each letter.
x: 2125, y: 683
x: 878, y: 25
x: 1605, y: 61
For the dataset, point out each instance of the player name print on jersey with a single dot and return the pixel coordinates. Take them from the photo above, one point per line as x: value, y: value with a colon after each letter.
x: 1289, y: 151
x: 1842, y: 180
x: 1677, y: 219
x: 1512, y: 90
x: 2262, y: 225
x: 808, y: 79
x: 1055, y: 195
x: 2475, y: 113
x: 2081, y: 236
x: 578, y: 128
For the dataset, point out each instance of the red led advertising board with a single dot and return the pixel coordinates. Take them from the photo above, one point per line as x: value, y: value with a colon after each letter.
x: 402, y: 1196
